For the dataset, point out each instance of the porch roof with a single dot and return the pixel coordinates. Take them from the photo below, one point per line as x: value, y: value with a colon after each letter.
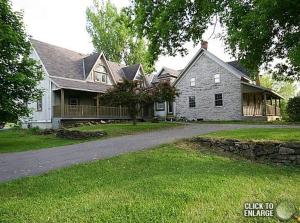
x: 263, y: 89
x: 80, y: 85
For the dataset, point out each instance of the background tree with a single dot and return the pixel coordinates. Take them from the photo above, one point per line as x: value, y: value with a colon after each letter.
x: 287, y: 89
x: 19, y: 75
x: 293, y: 109
x: 134, y: 96
x: 255, y: 31
x: 113, y: 33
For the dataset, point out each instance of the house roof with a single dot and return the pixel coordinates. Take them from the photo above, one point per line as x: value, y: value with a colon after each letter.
x: 263, y: 89
x: 237, y: 65
x: 79, y: 85
x: 63, y: 63
x: 89, y: 62
x: 130, y: 71
x: 59, y: 61
x: 165, y: 72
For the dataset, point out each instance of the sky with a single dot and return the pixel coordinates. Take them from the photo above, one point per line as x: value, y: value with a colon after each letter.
x: 63, y: 23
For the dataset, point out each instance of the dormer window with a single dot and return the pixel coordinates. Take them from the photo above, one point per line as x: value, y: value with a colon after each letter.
x: 100, y: 74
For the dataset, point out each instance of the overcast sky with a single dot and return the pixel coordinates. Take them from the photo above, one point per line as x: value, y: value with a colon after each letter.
x: 62, y: 23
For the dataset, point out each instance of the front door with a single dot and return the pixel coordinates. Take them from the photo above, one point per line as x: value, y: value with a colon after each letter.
x: 170, y: 108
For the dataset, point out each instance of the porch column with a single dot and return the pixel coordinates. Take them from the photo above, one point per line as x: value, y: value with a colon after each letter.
x: 97, y: 104
x: 62, y: 102
x: 265, y: 104
x: 275, y: 106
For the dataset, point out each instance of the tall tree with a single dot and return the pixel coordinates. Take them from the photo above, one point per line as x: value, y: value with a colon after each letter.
x: 255, y: 31
x: 19, y: 74
x: 113, y: 33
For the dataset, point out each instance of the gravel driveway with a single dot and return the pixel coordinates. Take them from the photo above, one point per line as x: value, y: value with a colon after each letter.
x: 16, y: 165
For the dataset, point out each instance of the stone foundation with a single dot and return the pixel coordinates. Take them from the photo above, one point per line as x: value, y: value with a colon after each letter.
x: 287, y: 153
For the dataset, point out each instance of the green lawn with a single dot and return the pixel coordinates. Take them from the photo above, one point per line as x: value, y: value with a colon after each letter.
x: 172, y: 183
x: 276, y: 134
x: 127, y: 128
x: 16, y: 140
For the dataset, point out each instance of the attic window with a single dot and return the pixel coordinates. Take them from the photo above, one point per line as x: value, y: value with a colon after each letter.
x: 217, y: 78
x: 100, y: 74
x: 193, y: 82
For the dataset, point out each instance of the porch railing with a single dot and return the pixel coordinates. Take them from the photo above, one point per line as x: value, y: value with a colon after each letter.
x: 252, y: 110
x: 273, y: 110
x: 86, y: 111
x: 258, y: 110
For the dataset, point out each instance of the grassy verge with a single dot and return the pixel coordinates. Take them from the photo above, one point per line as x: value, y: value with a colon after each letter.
x: 270, y: 134
x: 249, y: 122
x: 17, y: 140
x: 127, y: 128
x: 173, y: 183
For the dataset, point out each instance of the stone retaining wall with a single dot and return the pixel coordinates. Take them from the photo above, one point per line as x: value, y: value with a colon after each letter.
x: 287, y: 153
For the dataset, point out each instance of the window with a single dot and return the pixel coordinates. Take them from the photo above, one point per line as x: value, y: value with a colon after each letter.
x: 218, y: 100
x: 73, y: 101
x: 192, y: 102
x: 100, y: 74
x: 217, y: 78
x: 103, y: 78
x: 39, y: 104
x: 160, y: 106
x: 193, y: 82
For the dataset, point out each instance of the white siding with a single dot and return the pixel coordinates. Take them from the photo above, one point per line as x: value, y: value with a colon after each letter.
x: 43, y: 116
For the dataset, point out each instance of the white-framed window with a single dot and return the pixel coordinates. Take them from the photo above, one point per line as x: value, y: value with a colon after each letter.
x: 217, y: 78
x: 100, y: 74
x: 218, y: 100
x: 193, y: 82
x: 39, y: 104
x: 160, y: 106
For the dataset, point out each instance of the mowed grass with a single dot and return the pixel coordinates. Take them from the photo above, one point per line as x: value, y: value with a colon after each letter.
x: 17, y: 140
x: 270, y: 134
x: 127, y: 128
x: 172, y: 183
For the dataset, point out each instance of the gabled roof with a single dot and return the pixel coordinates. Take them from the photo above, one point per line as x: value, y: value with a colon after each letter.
x: 169, y: 71
x: 228, y: 67
x: 237, y: 65
x: 63, y: 63
x: 116, y: 69
x: 130, y: 71
x: 89, y: 62
x: 59, y: 61
x: 165, y: 72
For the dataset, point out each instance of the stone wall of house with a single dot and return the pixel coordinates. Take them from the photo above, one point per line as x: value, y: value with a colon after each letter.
x: 204, y: 91
x: 287, y: 153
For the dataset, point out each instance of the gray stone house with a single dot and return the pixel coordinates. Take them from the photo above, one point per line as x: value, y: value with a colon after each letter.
x: 211, y: 89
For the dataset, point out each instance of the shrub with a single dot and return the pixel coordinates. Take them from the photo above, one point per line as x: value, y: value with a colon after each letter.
x: 35, y: 130
x: 293, y: 109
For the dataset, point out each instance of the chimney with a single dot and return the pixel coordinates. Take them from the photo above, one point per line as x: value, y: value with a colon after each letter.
x: 204, y: 44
